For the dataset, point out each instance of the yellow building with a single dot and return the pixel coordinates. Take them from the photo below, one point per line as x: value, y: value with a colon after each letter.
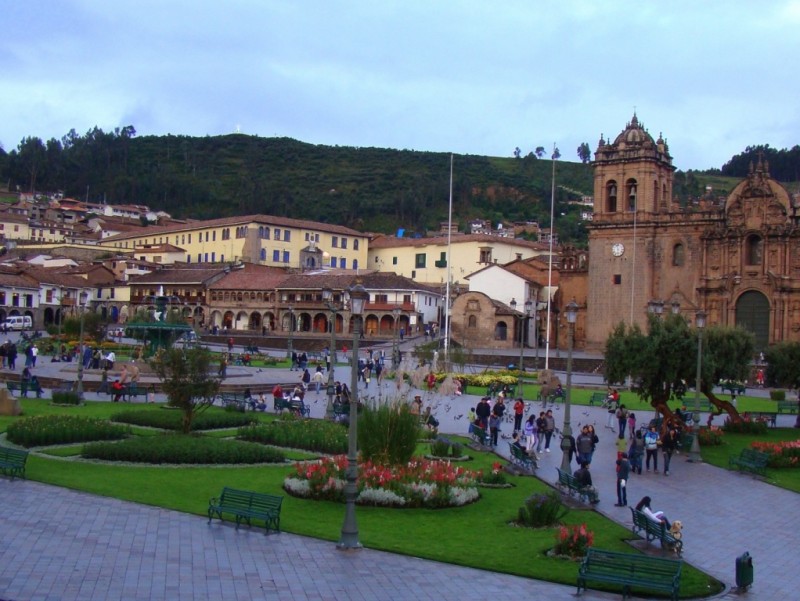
x: 425, y: 259
x: 261, y: 239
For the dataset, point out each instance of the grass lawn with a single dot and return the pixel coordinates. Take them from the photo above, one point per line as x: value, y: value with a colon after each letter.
x: 478, y: 535
x: 732, y: 444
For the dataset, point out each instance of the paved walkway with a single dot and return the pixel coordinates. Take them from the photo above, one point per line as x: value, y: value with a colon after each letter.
x: 62, y: 545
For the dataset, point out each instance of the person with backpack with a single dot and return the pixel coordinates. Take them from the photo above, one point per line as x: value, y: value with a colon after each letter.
x: 541, y: 426
x: 636, y: 452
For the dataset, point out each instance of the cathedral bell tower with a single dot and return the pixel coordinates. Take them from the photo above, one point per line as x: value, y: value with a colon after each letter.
x: 633, y: 178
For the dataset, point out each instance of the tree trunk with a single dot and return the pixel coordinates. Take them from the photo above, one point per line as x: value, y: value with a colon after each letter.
x: 721, y: 404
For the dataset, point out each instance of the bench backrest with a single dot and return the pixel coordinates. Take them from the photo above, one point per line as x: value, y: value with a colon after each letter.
x: 13, y: 456
x: 598, y: 561
x: 565, y: 478
x: 646, y: 524
x: 250, y: 500
x: 754, y: 457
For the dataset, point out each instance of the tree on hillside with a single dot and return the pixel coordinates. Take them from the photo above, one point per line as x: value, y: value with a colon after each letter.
x: 186, y: 378
x: 584, y: 153
x: 32, y: 157
x: 517, y: 153
x: 662, y: 361
x: 540, y: 151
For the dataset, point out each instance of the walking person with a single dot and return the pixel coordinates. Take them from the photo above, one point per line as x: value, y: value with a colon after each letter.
x: 631, y: 425
x: 318, y: 378
x: 595, y: 441
x: 494, y: 427
x: 541, y: 426
x: 530, y: 433
x: 519, y: 409
x: 651, y: 442
x: 668, y: 446
x: 622, y: 419
x: 636, y: 453
x: 584, y: 445
x: 549, y: 428
x: 612, y: 403
x: 623, y: 471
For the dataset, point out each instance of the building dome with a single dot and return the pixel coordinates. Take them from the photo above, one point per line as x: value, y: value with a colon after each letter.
x: 634, y: 134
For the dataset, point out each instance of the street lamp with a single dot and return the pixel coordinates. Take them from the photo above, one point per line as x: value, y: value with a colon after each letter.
x: 522, y: 320
x: 327, y: 296
x: 536, y: 318
x: 84, y: 299
x: 676, y: 307
x: 395, y: 349
x: 289, y: 346
x: 349, y: 536
x: 694, y: 452
x: 566, y: 431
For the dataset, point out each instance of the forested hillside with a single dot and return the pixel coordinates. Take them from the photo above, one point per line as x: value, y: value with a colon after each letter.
x: 369, y: 189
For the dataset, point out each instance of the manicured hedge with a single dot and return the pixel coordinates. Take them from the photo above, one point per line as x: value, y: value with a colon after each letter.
x: 309, y: 434
x: 171, y: 419
x: 46, y: 430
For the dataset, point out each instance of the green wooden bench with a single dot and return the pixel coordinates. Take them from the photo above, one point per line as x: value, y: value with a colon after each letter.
x: 521, y: 459
x: 24, y: 387
x: 598, y: 398
x: 480, y: 435
x: 770, y: 417
x: 631, y: 571
x: 733, y: 387
x: 131, y: 391
x: 12, y: 461
x: 340, y: 410
x: 233, y: 401
x: 750, y: 460
x: 246, y: 505
x: 703, y: 404
x: 567, y: 483
x: 494, y: 389
x: 296, y: 406
x: 787, y: 406
x: 655, y: 530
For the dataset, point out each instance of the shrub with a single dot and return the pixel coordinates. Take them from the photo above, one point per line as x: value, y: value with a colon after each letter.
x: 66, y: 398
x: 62, y: 429
x: 496, y: 476
x: 388, y: 434
x: 709, y: 437
x: 432, y: 484
x: 542, y: 510
x: 444, y: 447
x: 183, y: 449
x: 573, y: 541
x: 777, y: 395
x: 310, y: 434
x: 745, y: 426
x: 172, y: 420
x: 781, y: 454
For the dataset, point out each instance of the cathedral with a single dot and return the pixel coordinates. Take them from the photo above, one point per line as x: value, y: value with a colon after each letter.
x: 738, y: 260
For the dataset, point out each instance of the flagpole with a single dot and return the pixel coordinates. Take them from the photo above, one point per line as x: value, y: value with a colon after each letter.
x: 447, y: 288
x: 550, y: 258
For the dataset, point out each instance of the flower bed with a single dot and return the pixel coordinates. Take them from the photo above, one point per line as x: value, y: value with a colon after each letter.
x: 781, y: 454
x: 420, y: 483
x: 46, y: 430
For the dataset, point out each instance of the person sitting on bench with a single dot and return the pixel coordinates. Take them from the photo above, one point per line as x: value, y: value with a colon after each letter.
x: 118, y: 388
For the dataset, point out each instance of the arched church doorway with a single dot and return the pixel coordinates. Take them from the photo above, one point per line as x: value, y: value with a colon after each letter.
x: 752, y: 313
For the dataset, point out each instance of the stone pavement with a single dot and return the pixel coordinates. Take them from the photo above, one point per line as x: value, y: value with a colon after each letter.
x: 60, y: 544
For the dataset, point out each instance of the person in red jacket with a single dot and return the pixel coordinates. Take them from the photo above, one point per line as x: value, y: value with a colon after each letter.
x: 519, y: 409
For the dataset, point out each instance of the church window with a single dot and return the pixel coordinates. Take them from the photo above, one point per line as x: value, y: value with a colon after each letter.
x: 755, y: 250
x: 473, y: 322
x: 611, y: 196
x: 630, y: 190
x: 617, y: 279
x: 501, y: 331
x: 678, y: 255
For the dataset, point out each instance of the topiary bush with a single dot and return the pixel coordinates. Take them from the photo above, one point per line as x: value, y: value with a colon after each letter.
x: 309, y: 434
x: 172, y: 420
x: 183, y: 449
x: 62, y: 429
x: 777, y: 395
x: 66, y: 398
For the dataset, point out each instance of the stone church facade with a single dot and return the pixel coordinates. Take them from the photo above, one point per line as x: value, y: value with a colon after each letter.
x: 739, y: 261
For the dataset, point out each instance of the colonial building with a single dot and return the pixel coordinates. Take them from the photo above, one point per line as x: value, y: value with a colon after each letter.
x: 739, y: 261
x: 425, y: 259
x: 262, y: 239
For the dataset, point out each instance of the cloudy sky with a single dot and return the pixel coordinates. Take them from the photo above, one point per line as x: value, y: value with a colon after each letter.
x: 465, y: 76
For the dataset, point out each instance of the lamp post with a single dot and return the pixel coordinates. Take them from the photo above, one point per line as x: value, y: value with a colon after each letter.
x: 566, y: 431
x: 522, y: 320
x: 289, y: 346
x: 327, y: 296
x: 536, y: 319
x: 349, y: 536
x: 83, y: 297
x: 656, y: 307
x: 694, y: 452
x: 395, y: 347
